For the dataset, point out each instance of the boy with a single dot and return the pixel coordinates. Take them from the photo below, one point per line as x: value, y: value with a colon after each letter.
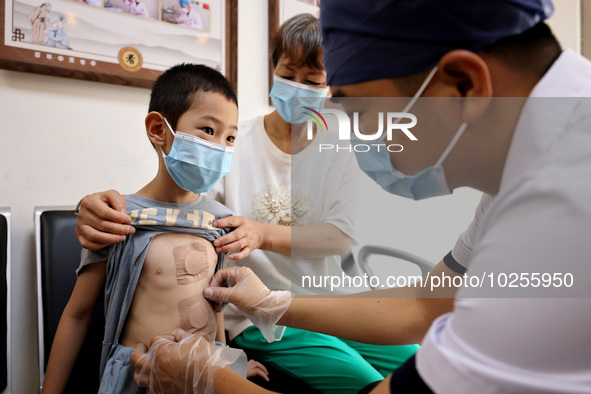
x: 155, y: 278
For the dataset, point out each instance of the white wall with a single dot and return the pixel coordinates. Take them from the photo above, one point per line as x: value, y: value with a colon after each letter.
x: 65, y: 138
x: 62, y: 139
x: 253, y: 58
x: 566, y: 23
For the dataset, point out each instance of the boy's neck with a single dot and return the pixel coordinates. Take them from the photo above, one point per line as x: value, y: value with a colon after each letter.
x: 164, y: 189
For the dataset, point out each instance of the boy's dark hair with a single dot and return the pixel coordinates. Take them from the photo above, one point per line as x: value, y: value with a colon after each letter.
x: 300, y: 40
x: 174, y: 91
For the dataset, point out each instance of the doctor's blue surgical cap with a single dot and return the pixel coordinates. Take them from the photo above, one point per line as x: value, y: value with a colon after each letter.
x: 376, y: 39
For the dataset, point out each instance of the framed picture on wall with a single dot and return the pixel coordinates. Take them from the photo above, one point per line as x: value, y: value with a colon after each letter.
x: 128, y: 42
x: 282, y: 10
x: 586, y: 28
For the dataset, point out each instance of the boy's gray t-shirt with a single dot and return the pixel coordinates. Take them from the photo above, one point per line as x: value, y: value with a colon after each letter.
x: 125, y: 259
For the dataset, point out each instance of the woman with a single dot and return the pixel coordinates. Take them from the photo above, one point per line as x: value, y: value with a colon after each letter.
x: 297, y: 217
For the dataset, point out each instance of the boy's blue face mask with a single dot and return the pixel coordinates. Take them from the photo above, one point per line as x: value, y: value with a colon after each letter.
x: 430, y: 182
x: 195, y: 164
x: 290, y: 99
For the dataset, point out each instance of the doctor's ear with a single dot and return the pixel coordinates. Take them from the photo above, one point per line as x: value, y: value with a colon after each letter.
x: 156, y: 129
x: 465, y: 74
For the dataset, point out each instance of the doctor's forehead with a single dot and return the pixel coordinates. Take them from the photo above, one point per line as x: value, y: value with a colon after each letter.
x: 376, y: 88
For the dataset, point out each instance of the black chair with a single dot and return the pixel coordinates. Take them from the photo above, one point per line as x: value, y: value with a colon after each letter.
x: 5, y: 378
x: 58, y: 256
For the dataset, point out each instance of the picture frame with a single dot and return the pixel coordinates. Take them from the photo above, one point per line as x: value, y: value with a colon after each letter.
x: 279, y: 12
x: 586, y: 28
x: 123, y: 42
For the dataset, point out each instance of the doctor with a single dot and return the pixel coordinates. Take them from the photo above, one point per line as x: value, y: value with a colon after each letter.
x: 533, y: 158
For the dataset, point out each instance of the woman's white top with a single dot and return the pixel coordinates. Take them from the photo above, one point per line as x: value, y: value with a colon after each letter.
x: 271, y: 186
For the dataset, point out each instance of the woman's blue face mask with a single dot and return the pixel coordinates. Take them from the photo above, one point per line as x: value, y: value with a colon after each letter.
x: 291, y: 98
x: 195, y: 164
x: 430, y: 182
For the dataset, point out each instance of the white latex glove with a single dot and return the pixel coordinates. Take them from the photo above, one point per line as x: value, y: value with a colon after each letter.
x: 182, y: 363
x: 241, y: 287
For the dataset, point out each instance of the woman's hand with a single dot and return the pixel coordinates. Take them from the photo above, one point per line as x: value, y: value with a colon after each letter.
x: 102, y: 220
x: 255, y: 368
x: 241, y: 287
x: 247, y: 236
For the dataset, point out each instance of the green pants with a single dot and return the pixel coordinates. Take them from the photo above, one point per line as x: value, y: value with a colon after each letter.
x: 324, y: 362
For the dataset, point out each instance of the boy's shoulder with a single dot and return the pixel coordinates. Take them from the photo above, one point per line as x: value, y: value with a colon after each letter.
x: 135, y: 202
x: 218, y: 209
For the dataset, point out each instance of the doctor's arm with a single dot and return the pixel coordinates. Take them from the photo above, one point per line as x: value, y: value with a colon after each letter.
x: 391, y: 316
x: 394, y: 316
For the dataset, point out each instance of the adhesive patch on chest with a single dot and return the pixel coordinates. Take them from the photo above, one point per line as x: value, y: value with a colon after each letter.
x: 192, y: 262
x: 197, y: 316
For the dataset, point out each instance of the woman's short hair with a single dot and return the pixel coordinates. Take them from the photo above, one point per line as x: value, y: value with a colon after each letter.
x: 300, y: 40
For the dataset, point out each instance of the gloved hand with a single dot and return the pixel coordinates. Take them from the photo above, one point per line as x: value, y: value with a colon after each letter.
x: 241, y: 287
x: 182, y: 363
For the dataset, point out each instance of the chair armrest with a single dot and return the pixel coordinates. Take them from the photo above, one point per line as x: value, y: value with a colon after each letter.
x: 348, y: 264
x: 368, y: 250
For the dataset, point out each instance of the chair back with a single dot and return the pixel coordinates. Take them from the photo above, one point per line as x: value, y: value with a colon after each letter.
x: 5, y: 378
x: 58, y: 257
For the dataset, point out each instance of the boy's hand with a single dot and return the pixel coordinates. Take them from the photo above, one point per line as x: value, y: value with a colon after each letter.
x: 247, y: 236
x: 181, y: 363
x: 102, y: 220
x: 172, y: 363
x: 255, y: 368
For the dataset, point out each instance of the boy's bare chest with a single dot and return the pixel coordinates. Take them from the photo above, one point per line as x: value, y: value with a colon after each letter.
x: 179, y: 260
x: 169, y: 293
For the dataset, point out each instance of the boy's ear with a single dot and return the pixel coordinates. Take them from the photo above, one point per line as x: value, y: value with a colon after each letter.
x: 156, y: 129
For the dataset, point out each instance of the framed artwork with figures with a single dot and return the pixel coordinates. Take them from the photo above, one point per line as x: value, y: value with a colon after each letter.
x: 127, y: 42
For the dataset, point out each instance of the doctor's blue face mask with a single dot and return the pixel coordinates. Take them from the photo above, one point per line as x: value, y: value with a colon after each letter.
x: 429, y: 182
x: 195, y: 164
x: 290, y: 99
